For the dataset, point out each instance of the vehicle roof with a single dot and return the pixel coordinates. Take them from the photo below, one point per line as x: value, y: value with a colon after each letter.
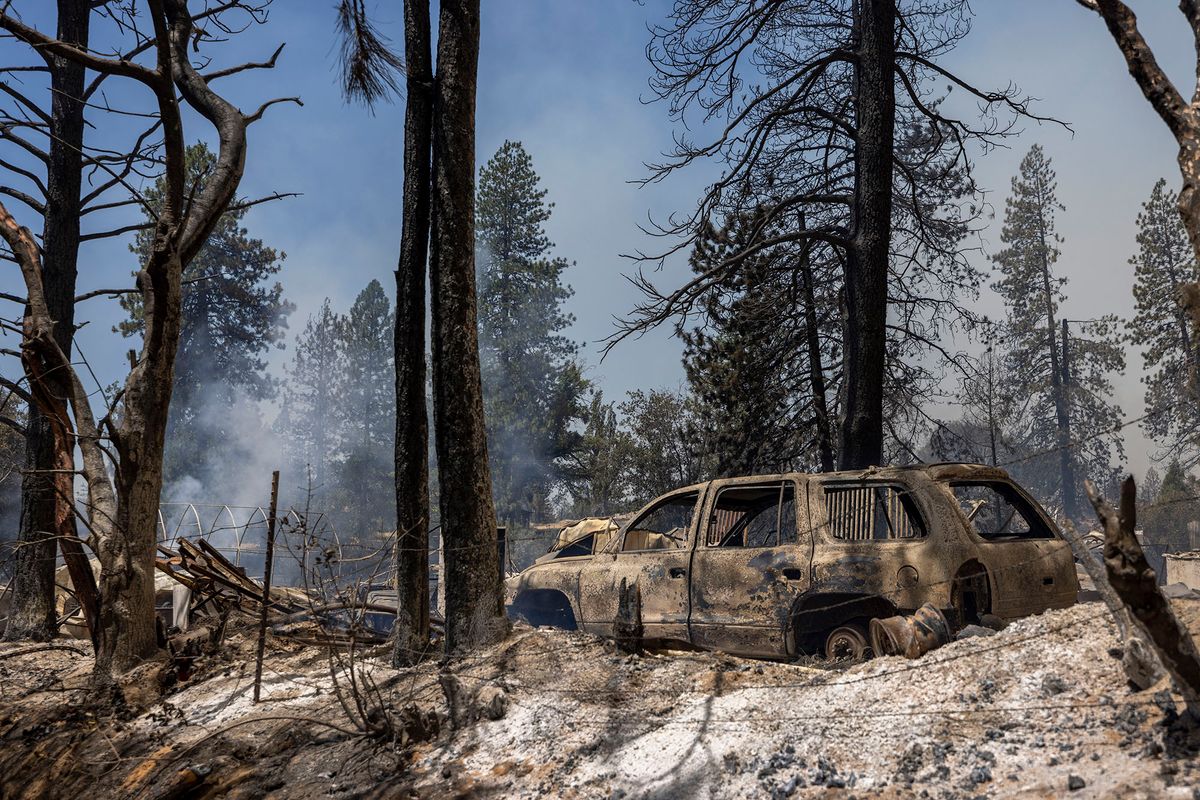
x: 941, y: 471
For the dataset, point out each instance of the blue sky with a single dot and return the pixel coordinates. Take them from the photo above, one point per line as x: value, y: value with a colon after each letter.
x: 568, y: 79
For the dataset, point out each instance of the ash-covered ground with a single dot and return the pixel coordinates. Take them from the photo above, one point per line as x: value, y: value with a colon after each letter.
x: 1039, y: 709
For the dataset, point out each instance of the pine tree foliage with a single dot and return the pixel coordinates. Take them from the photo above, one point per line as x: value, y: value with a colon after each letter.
x: 367, y: 414
x: 1172, y: 521
x: 338, y: 413
x: 533, y: 384
x: 312, y: 404
x: 749, y: 361
x: 596, y: 473
x: 1163, y: 264
x: 233, y: 315
x: 669, y: 445
x: 1068, y: 387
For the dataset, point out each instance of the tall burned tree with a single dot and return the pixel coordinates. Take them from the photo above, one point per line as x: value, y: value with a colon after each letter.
x: 123, y: 505
x: 833, y: 110
x: 1064, y: 372
x: 46, y: 492
x: 474, y: 608
x: 439, y: 208
x: 369, y: 73
x: 412, y: 424
x: 1165, y: 262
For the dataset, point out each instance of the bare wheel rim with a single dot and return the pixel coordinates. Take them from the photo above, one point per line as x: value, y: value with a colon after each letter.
x: 847, y: 642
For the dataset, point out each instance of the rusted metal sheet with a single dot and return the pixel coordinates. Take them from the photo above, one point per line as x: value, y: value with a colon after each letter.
x: 773, y: 565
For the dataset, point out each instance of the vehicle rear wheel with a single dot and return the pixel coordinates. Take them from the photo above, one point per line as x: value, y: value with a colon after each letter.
x: 848, y: 643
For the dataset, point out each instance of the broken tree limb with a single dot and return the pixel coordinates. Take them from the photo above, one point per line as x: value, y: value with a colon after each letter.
x: 1139, y: 659
x: 1136, y: 584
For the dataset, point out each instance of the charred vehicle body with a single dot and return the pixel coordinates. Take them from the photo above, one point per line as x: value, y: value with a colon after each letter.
x: 776, y: 566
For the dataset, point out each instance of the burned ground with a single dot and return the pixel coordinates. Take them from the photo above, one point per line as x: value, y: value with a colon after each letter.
x: 1032, y: 711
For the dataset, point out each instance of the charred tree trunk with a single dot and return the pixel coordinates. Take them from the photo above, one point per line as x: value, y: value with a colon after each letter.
x: 1135, y: 583
x: 472, y: 569
x: 816, y: 371
x: 46, y: 511
x: 1066, y: 471
x: 871, y: 217
x: 127, y: 635
x: 1181, y: 117
x: 412, y: 427
x: 124, y: 509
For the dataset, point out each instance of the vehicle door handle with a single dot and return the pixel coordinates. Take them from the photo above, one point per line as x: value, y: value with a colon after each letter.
x: 677, y: 572
x: 792, y: 574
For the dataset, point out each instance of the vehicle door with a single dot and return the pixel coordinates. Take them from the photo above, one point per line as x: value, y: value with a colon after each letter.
x: 750, y: 564
x: 650, y: 556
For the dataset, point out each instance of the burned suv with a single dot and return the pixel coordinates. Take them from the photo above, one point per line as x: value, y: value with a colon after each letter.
x: 779, y: 565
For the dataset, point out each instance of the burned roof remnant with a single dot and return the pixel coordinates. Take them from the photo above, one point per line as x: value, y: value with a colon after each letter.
x: 775, y: 566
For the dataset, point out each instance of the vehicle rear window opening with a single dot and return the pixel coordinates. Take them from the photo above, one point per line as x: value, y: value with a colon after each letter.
x: 872, y: 512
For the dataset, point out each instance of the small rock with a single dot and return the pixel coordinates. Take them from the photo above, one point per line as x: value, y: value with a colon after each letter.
x: 979, y: 775
x: 491, y: 703
x: 1075, y: 783
x: 993, y: 622
x: 972, y: 631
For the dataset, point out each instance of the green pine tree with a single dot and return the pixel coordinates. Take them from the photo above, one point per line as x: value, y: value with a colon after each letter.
x: 1065, y: 382
x: 596, y: 476
x: 233, y: 314
x: 749, y: 363
x: 367, y: 416
x: 669, y: 446
x: 312, y: 403
x: 532, y: 381
x: 1171, y: 352
x: 1172, y: 520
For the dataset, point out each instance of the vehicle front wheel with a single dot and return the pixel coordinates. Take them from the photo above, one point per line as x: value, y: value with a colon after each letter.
x: 848, y: 643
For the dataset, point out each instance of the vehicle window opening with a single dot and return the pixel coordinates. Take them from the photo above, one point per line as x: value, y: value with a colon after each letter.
x: 753, y: 516
x: 872, y: 512
x: 663, y: 527
x: 580, y: 547
x: 998, y: 512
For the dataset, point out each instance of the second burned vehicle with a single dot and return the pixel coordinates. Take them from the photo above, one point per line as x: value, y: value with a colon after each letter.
x: 780, y: 565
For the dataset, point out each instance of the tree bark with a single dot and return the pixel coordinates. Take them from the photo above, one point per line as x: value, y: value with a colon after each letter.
x: 816, y: 371
x: 1136, y: 584
x: 1181, y: 117
x: 412, y: 427
x: 474, y: 613
x: 124, y: 508
x: 1063, y: 410
x: 871, y: 220
x: 46, y: 510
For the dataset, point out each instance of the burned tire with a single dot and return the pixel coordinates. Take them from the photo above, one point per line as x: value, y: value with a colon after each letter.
x: 848, y: 642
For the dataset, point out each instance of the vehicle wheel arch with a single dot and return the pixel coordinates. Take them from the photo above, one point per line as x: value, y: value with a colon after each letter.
x: 971, y: 591
x: 541, y: 607
x: 815, y: 614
